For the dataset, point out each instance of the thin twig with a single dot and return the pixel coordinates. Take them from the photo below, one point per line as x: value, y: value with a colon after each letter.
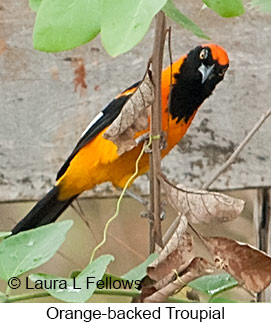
x: 238, y: 150
x: 108, y: 292
x: 171, y: 63
x: 172, y: 228
x: 155, y: 158
x: 262, y: 221
x: 83, y: 217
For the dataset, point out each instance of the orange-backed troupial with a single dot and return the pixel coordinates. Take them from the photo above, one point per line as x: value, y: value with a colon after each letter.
x: 94, y: 159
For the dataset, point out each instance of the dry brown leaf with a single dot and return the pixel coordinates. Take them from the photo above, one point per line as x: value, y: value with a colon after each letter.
x: 173, y: 242
x: 197, y: 268
x: 248, y: 265
x: 79, y: 74
x: 200, y: 206
x: 133, y: 117
x: 176, y: 255
x: 3, y: 46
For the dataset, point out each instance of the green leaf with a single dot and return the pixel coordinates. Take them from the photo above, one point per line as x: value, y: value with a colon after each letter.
x: 139, y: 271
x: 264, y: 5
x: 221, y: 300
x: 125, y: 22
x: 74, y: 273
x: 30, y: 249
x: 226, y: 8
x: 85, y: 282
x: 34, y: 4
x: 4, y: 234
x: 2, y: 297
x: 173, y: 13
x: 213, y: 284
x: 65, y: 24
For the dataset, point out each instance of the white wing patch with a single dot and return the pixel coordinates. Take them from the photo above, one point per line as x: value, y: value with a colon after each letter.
x: 98, y: 117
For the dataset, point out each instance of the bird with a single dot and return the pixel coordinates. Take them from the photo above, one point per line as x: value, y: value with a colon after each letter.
x: 184, y: 86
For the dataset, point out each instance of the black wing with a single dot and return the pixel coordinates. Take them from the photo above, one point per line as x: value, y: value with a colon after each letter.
x: 104, y: 119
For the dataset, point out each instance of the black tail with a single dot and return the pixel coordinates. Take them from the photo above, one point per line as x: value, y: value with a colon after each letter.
x: 47, y: 210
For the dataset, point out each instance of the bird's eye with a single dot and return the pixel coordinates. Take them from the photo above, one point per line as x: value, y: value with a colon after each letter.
x: 203, y: 54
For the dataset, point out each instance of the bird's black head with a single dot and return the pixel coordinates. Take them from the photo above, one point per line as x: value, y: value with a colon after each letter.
x: 202, y: 69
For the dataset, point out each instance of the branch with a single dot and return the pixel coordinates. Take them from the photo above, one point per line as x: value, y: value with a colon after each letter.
x: 110, y: 292
x: 155, y: 158
x: 238, y: 150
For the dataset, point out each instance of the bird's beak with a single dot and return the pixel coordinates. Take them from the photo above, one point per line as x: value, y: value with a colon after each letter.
x: 205, y: 71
